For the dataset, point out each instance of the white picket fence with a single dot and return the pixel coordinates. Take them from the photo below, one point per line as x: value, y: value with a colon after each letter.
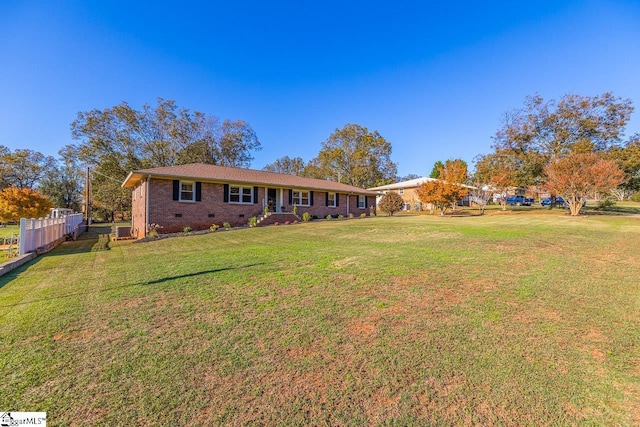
x: 37, y: 233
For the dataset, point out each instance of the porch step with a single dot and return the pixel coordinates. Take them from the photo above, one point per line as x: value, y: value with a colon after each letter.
x: 277, y: 217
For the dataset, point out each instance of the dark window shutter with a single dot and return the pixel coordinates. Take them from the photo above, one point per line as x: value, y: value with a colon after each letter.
x: 225, y: 197
x: 311, y: 198
x: 198, y: 191
x: 176, y: 189
x: 326, y: 199
x: 366, y: 203
x: 337, y: 199
x: 255, y: 195
x: 290, y: 196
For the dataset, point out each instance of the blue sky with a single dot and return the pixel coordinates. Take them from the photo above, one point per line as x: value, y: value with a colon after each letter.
x: 434, y: 78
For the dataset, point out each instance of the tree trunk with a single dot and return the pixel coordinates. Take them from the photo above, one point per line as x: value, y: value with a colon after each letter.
x: 575, y: 205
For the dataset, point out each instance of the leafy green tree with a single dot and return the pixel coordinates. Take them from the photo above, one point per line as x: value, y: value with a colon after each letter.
x: 435, y: 171
x: 117, y: 140
x: 63, y: 185
x: 628, y: 159
x: 542, y: 131
x: 407, y: 177
x: 287, y: 165
x: 391, y: 203
x: 353, y: 155
x: 23, y: 168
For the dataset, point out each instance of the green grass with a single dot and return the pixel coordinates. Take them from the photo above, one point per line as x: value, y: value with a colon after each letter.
x: 519, y: 319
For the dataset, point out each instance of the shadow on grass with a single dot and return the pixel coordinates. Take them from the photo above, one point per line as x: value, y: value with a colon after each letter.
x: 86, y: 242
x: 129, y: 285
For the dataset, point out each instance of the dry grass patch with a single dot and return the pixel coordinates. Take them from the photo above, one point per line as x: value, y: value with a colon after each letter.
x: 405, y: 321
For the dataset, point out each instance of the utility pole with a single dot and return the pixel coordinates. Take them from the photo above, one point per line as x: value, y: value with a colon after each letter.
x: 87, y: 198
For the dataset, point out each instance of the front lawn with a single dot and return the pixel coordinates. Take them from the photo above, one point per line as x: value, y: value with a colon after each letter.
x: 522, y: 319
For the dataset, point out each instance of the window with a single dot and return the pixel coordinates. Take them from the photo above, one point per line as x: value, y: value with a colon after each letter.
x: 400, y: 190
x: 362, y: 202
x: 300, y: 197
x: 187, y: 192
x: 331, y: 200
x: 241, y: 195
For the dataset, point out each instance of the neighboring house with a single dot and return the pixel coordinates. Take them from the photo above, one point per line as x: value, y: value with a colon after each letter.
x: 198, y: 195
x: 407, y: 190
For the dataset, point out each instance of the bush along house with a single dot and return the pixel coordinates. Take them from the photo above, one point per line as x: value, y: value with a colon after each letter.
x: 198, y: 195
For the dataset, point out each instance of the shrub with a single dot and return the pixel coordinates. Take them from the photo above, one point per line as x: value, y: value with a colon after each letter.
x: 314, y: 216
x: 153, y: 230
x: 266, y: 210
x: 636, y: 197
x: 187, y: 230
x: 605, y: 203
x: 306, y: 217
x: 226, y: 225
x: 341, y: 216
x: 327, y: 217
x: 253, y: 221
x: 336, y: 216
x: 391, y: 203
x: 295, y: 209
x: 350, y: 216
x: 214, y: 227
x: 363, y: 215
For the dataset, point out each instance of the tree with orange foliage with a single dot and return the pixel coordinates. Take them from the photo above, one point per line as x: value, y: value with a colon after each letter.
x: 16, y: 203
x: 577, y: 175
x: 447, y: 190
x: 499, y: 172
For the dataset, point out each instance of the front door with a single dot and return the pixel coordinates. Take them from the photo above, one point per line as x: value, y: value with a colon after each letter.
x: 271, y: 199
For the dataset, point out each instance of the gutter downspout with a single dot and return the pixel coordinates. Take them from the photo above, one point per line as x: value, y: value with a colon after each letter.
x: 146, y: 208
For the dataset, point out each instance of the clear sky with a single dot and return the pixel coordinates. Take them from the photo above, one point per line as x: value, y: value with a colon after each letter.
x: 434, y: 78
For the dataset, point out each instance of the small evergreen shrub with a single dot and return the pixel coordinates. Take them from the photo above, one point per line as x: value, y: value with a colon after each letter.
x: 363, y: 215
x: 253, y: 221
x: 214, y: 227
x: 306, y: 217
x: 605, y: 203
x: 340, y: 216
x: 327, y: 217
x: 226, y: 226
x: 187, y: 230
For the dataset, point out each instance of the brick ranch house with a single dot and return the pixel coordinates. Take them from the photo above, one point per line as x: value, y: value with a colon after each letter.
x: 198, y: 195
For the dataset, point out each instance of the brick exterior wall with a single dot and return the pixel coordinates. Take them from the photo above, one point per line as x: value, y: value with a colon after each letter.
x: 410, y: 196
x: 174, y: 215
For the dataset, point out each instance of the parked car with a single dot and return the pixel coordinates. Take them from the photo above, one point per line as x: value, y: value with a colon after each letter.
x: 547, y: 201
x: 519, y: 201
